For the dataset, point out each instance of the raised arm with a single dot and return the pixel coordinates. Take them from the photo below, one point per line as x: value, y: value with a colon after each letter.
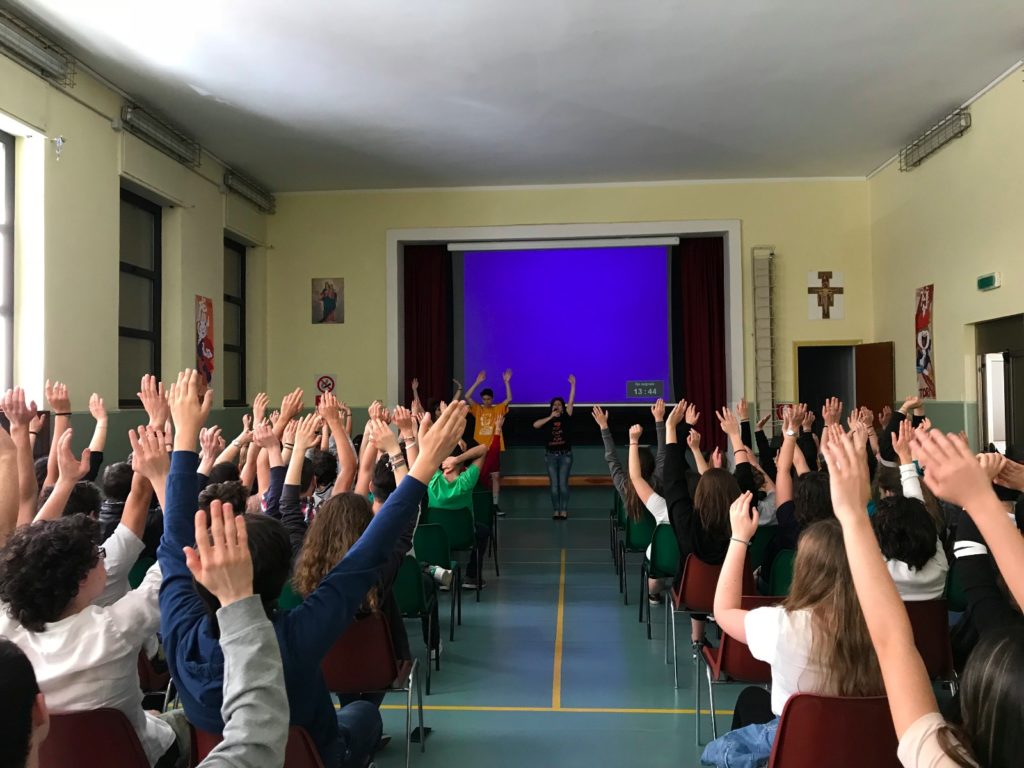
x: 270, y: 450
x: 9, y: 491
x: 619, y: 477
x: 764, y: 448
x: 136, y: 506
x: 210, y: 447
x: 231, y: 451
x: 658, y: 412
x: 385, y: 441
x: 901, y: 445
x: 572, y: 394
x: 69, y: 471
x: 743, y: 414
x: 791, y: 422
x: 641, y: 486
x: 99, y: 435
x: 693, y: 443
x: 407, y: 433
x: 507, y: 377
x: 729, y: 594
x: 906, y: 680
x: 347, y: 460
x: 60, y: 403
x: 480, y: 379
x: 416, y: 404
x: 291, y: 404
x: 21, y: 415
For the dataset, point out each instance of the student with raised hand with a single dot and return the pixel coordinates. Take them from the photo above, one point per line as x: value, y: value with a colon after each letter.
x: 330, y: 411
x: 990, y: 698
x: 620, y: 479
x: 558, y: 450
x: 304, y: 634
x: 815, y: 641
x: 654, y: 502
x: 486, y: 413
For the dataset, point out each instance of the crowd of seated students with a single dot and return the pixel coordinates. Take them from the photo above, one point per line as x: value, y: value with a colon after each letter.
x: 872, y: 514
x: 289, y: 499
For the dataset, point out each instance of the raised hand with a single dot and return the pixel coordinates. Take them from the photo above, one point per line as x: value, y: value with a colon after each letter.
x: 245, y: 436
x: 762, y: 421
x: 808, y: 423
x: 415, y: 384
x: 885, y: 416
x: 58, y: 397
x: 658, y: 410
x: 404, y: 421
x: 693, y: 440
x: 1011, y: 475
x: 288, y: 436
x: 992, y: 464
x: 209, y: 442
x: 692, y: 415
x: 259, y: 407
x: 382, y: 437
x: 507, y: 375
x: 305, y: 433
x: 220, y: 561
x: 481, y: 377
x: 743, y: 518
x: 274, y: 418
x: 291, y: 404
x: 154, y: 400
x: 954, y: 473
x: 743, y: 410
x: 149, y: 457
x: 20, y: 414
x: 848, y: 476
x: 436, y: 441
x: 716, y: 458
x: 188, y: 412
x: 676, y: 415
x: 728, y: 422
x: 38, y: 421
x: 264, y: 436
x: 458, y: 385
x: 901, y: 442
x: 572, y: 379
x: 601, y: 417
x: 911, y: 403
x: 634, y: 434
x: 71, y: 469
x: 97, y: 408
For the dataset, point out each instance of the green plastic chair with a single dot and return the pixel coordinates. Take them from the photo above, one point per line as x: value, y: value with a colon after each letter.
x: 485, y: 515
x: 413, y: 602
x: 138, y: 571
x: 763, y: 538
x: 289, y: 598
x: 663, y: 564
x: 782, y: 573
x: 459, y: 525
x: 614, y: 526
x: 636, y: 537
x: 956, y: 598
x: 431, y: 545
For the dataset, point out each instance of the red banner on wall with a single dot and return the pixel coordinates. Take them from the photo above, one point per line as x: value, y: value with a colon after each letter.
x: 924, y: 341
x: 204, y: 338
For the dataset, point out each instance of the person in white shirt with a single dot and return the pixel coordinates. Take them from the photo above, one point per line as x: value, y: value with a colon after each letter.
x: 815, y: 641
x: 654, y: 502
x: 85, y: 656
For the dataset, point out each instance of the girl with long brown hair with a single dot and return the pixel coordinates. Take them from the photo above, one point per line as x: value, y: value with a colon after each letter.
x: 816, y: 641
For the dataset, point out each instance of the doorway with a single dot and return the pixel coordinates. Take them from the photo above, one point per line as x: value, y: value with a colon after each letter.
x: 999, y: 345
x: 858, y: 374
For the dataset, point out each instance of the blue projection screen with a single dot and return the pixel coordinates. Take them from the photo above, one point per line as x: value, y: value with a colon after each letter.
x: 599, y: 313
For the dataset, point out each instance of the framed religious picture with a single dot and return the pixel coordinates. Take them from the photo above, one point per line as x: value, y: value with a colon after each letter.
x: 328, y: 299
x: 825, y: 296
x: 204, y: 339
x: 923, y: 342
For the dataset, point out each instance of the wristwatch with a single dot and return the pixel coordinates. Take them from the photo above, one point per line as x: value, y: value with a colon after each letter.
x: 790, y: 433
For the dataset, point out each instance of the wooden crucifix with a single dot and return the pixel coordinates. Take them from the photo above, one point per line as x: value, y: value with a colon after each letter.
x: 826, y: 294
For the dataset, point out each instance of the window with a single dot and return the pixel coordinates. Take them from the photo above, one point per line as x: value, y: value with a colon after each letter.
x: 233, y: 374
x: 139, y: 306
x: 6, y: 260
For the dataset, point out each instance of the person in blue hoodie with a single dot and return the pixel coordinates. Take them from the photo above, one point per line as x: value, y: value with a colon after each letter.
x: 306, y: 633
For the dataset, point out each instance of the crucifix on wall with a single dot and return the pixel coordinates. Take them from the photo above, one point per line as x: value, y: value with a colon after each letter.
x: 825, y: 295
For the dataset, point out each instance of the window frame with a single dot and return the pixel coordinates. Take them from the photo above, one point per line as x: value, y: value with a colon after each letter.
x: 238, y: 301
x: 155, y: 276
x: 7, y: 253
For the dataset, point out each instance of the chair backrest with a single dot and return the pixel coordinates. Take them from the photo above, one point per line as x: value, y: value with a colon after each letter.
x: 483, y: 511
x: 764, y: 536
x: 149, y: 679
x: 619, y: 507
x: 138, y: 571
x: 408, y: 588
x: 734, y: 657
x: 956, y: 598
x: 289, y: 598
x: 930, y: 621
x: 362, y: 659
x: 458, y: 524
x: 431, y: 544
x: 664, y: 552
x: 75, y: 739
x: 837, y: 732
x: 639, y: 533
x: 782, y: 573
x: 697, y: 589
x: 299, y: 752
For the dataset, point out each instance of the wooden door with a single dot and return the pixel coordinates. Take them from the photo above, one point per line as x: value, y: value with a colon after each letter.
x: 874, y: 375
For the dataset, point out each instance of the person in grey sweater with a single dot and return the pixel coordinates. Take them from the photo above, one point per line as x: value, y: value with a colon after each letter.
x: 255, y: 706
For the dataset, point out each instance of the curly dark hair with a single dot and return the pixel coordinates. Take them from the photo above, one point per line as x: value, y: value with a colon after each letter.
x: 225, y: 472
x: 325, y: 467
x: 20, y: 689
x: 85, y: 499
x: 231, y: 492
x: 117, y: 481
x: 905, y: 531
x: 382, y: 484
x: 42, y: 566
x: 812, y: 498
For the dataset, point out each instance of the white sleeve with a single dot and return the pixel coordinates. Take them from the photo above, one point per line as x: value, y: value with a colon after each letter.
x: 911, y: 482
x: 137, y: 615
x: 658, y: 507
x: 762, y: 628
x: 123, y: 548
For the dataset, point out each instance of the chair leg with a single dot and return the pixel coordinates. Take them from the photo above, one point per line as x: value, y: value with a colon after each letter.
x: 479, y: 572
x: 643, y: 590
x: 458, y: 591
x: 675, y: 653
x: 711, y: 703
x: 623, y: 578
x: 696, y: 695
x: 430, y: 626
x: 408, y: 715
x: 454, y: 600
x: 494, y: 543
x: 668, y: 608
x: 419, y: 706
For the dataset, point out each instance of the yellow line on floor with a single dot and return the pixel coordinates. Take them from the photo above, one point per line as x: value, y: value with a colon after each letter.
x: 556, y: 677
x: 569, y: 710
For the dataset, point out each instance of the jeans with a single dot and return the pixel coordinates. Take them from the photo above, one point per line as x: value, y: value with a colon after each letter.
x: 359, y: 731
x: 559, y: 466
x: 747, y: 747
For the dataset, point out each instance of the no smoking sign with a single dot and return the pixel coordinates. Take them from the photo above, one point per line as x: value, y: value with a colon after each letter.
x: 325, y: 382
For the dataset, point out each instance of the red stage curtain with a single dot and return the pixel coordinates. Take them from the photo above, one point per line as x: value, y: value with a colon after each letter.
x: 698, y: 359
x: 428, y: 321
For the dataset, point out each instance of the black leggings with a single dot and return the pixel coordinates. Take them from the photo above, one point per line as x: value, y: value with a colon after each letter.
x: 753, y: 706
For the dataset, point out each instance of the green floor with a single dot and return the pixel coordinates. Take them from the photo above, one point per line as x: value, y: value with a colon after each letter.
x: 500, y: 699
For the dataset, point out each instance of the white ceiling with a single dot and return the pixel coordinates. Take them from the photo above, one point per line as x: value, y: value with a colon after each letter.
x: 339, y: 94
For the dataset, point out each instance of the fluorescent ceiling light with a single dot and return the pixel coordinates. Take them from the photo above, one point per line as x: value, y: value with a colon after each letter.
x: 26, y: 46
x: 250, y: 190
x: 537, y: 245
x: 159, y: 134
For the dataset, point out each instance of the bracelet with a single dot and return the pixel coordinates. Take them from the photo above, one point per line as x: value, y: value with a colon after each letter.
x: 68, y: 413
x: 32, y: 433
x: 634, y: 443
x: 741, y: 541
x: 236, y: 443
x: 740, y: 450
x: 408, y: 440
x: 288, y: 445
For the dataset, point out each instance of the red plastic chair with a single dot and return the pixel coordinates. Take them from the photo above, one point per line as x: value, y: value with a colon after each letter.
x: 73, y: 736
x: 837, y: 732
x: 696, y: 594
x: 731, y: 662
x: 929, y: 620
x: 363, y: 661
x: 299, y: 752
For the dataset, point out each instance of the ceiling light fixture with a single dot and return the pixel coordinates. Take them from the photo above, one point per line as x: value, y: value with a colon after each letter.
x: 250, y: 190
x: 29, y: 48
x: 161, y: 135
x: 952, y: 126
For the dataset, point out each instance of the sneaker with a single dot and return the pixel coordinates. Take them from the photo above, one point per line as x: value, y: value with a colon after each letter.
x: 497, y: 510
x: 435, y: 652
x: 697, y: 645
x: 654, y: 599
x: 472, y: 583
x: 441, y: 575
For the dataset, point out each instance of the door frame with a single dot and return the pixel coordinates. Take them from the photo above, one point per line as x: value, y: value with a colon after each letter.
x: 824, y: 343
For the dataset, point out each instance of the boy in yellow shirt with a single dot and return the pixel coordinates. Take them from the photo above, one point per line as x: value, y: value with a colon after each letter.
x: 486, y: 414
